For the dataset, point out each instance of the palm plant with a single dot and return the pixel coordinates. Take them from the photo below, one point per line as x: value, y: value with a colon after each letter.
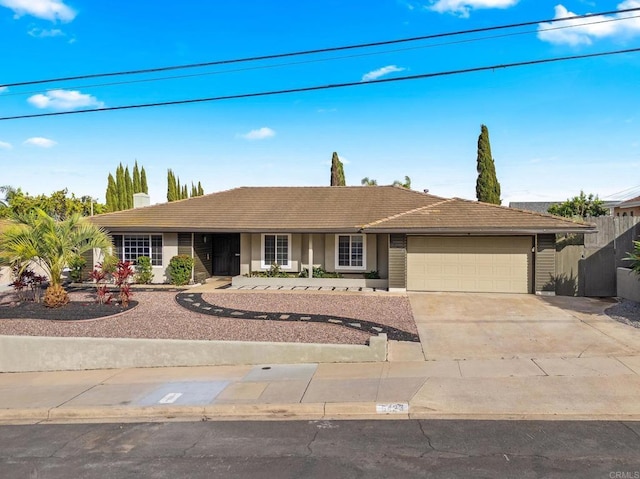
x: 50, y: 243
x: 366, y: 181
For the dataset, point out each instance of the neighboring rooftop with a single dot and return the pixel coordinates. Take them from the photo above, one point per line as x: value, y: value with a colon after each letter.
x: 535, y: 206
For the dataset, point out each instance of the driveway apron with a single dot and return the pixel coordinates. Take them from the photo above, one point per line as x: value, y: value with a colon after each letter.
x: 502, y: 326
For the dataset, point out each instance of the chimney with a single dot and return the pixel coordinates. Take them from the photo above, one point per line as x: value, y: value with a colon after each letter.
x: 141, y: 199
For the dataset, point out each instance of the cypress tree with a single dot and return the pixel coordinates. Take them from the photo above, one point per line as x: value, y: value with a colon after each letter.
x: 143, y: 181
x: 337, y: 171
x: 137, y: 187
x: 121, y: 188
x: 185, y: 192
x: 112, y: 194
x: 194, y: 190
x: 178, y: 189
x: 128, y: 185
x: 200, y: 189
x: 487, y: 186
x: 171, y: 186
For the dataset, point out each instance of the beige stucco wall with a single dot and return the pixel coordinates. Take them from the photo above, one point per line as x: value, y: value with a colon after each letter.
x: 324, y: 254
x: 318, y: 250
x: 245, y: 253
x: 169, y: 250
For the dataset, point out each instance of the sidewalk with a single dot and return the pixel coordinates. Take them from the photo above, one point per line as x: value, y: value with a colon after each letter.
x: 550, y: 388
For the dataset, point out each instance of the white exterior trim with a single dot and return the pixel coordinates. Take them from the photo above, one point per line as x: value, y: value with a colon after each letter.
x: 338, y: 267
x: 263, y: 265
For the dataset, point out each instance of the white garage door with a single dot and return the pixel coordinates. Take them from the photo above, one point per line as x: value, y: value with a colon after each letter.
x: 473, y: 264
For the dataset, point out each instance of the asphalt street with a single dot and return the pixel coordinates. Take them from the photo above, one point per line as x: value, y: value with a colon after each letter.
x: 323, y: 449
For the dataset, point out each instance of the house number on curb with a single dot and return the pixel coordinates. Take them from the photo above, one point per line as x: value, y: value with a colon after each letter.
x: 392, y: 408
x: 170, y: 398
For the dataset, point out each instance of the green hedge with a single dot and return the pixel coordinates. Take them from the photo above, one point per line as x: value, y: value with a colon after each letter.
x: 180, y: 268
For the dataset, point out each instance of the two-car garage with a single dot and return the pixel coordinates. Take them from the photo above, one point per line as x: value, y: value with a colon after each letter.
x: 486, y: 264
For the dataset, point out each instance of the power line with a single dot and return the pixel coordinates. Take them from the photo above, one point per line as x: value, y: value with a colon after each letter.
x: 319, y: 50
x: 305, y: 62
x: 327, y: 87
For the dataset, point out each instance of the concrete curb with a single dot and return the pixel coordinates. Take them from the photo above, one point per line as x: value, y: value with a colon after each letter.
x: 40, y: 353
x: 264, y: 412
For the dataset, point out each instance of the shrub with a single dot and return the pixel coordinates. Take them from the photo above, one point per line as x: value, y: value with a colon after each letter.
x: 76, y: 265
x: 373, y: 274
x: 318, y: 272
x: 180, y: 269
x: 26, y: 279
x: 634, y: 257
x: 120, y: 276
x: 144, y: 272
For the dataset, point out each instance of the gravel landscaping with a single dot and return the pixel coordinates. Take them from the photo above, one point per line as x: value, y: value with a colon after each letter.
x: 627, y: 312
x: 158, y: 316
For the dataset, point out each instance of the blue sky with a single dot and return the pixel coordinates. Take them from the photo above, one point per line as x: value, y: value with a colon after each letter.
x: 555, y: 129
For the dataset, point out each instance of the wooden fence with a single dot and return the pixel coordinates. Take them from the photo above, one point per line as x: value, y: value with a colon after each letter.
x: 586, y: 264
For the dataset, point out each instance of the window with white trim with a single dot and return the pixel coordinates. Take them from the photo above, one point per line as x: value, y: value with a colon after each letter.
x: 350, y: 252
x: 276, y: 249
x: 131, y: 247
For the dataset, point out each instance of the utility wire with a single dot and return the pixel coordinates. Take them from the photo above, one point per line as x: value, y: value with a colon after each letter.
x: 316, y: 51
x: 320, y: 60
x: 327, y: 87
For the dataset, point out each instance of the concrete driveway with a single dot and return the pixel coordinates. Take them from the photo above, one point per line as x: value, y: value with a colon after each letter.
x: 501, y: 326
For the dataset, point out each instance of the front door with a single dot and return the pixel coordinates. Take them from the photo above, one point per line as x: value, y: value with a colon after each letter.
x: 226, y: 254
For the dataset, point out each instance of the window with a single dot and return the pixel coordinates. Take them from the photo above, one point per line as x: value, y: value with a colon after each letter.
x: 350, y: 252
x: 276, y: 249
x: 130, y: 247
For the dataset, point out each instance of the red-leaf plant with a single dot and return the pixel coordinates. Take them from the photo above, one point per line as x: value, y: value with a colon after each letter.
x: 121, y: 278
x: 122, y: 275
x: 99, y: 275
x: 27, y: 279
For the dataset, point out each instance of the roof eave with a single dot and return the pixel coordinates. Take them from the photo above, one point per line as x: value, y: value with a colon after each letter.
x: 480, y: 231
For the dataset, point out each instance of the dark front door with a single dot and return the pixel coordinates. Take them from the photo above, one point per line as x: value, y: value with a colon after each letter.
x: 226, y: 254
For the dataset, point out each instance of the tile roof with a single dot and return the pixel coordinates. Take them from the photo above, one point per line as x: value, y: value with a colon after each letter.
x: 629, y: 203
x: 329, y: 209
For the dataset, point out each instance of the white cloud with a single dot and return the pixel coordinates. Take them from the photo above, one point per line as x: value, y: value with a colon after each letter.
x: 259, y: 134
x: 585, y: 31
x: 380, y: 72
x: 64, y: 100
x: 52, y: 10
x: 44, y: 33
x: 40, y: 142
x: 463, y: 7
x: 5, y: 146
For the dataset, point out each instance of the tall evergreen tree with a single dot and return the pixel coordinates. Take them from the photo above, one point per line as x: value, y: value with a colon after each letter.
x: 128, y: 187
x: 185, y: 192
x: 194, y: 190
x: 112, y: 194
x: 337, y: 171
x: 200, y: 189
x: 487, y: 186
x: 144, y: 188
x: 172, y: 190
x: 121, y: 188
x: 137, y: 187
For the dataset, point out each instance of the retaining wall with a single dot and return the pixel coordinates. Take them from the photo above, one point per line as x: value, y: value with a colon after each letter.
x: 35, y: 353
